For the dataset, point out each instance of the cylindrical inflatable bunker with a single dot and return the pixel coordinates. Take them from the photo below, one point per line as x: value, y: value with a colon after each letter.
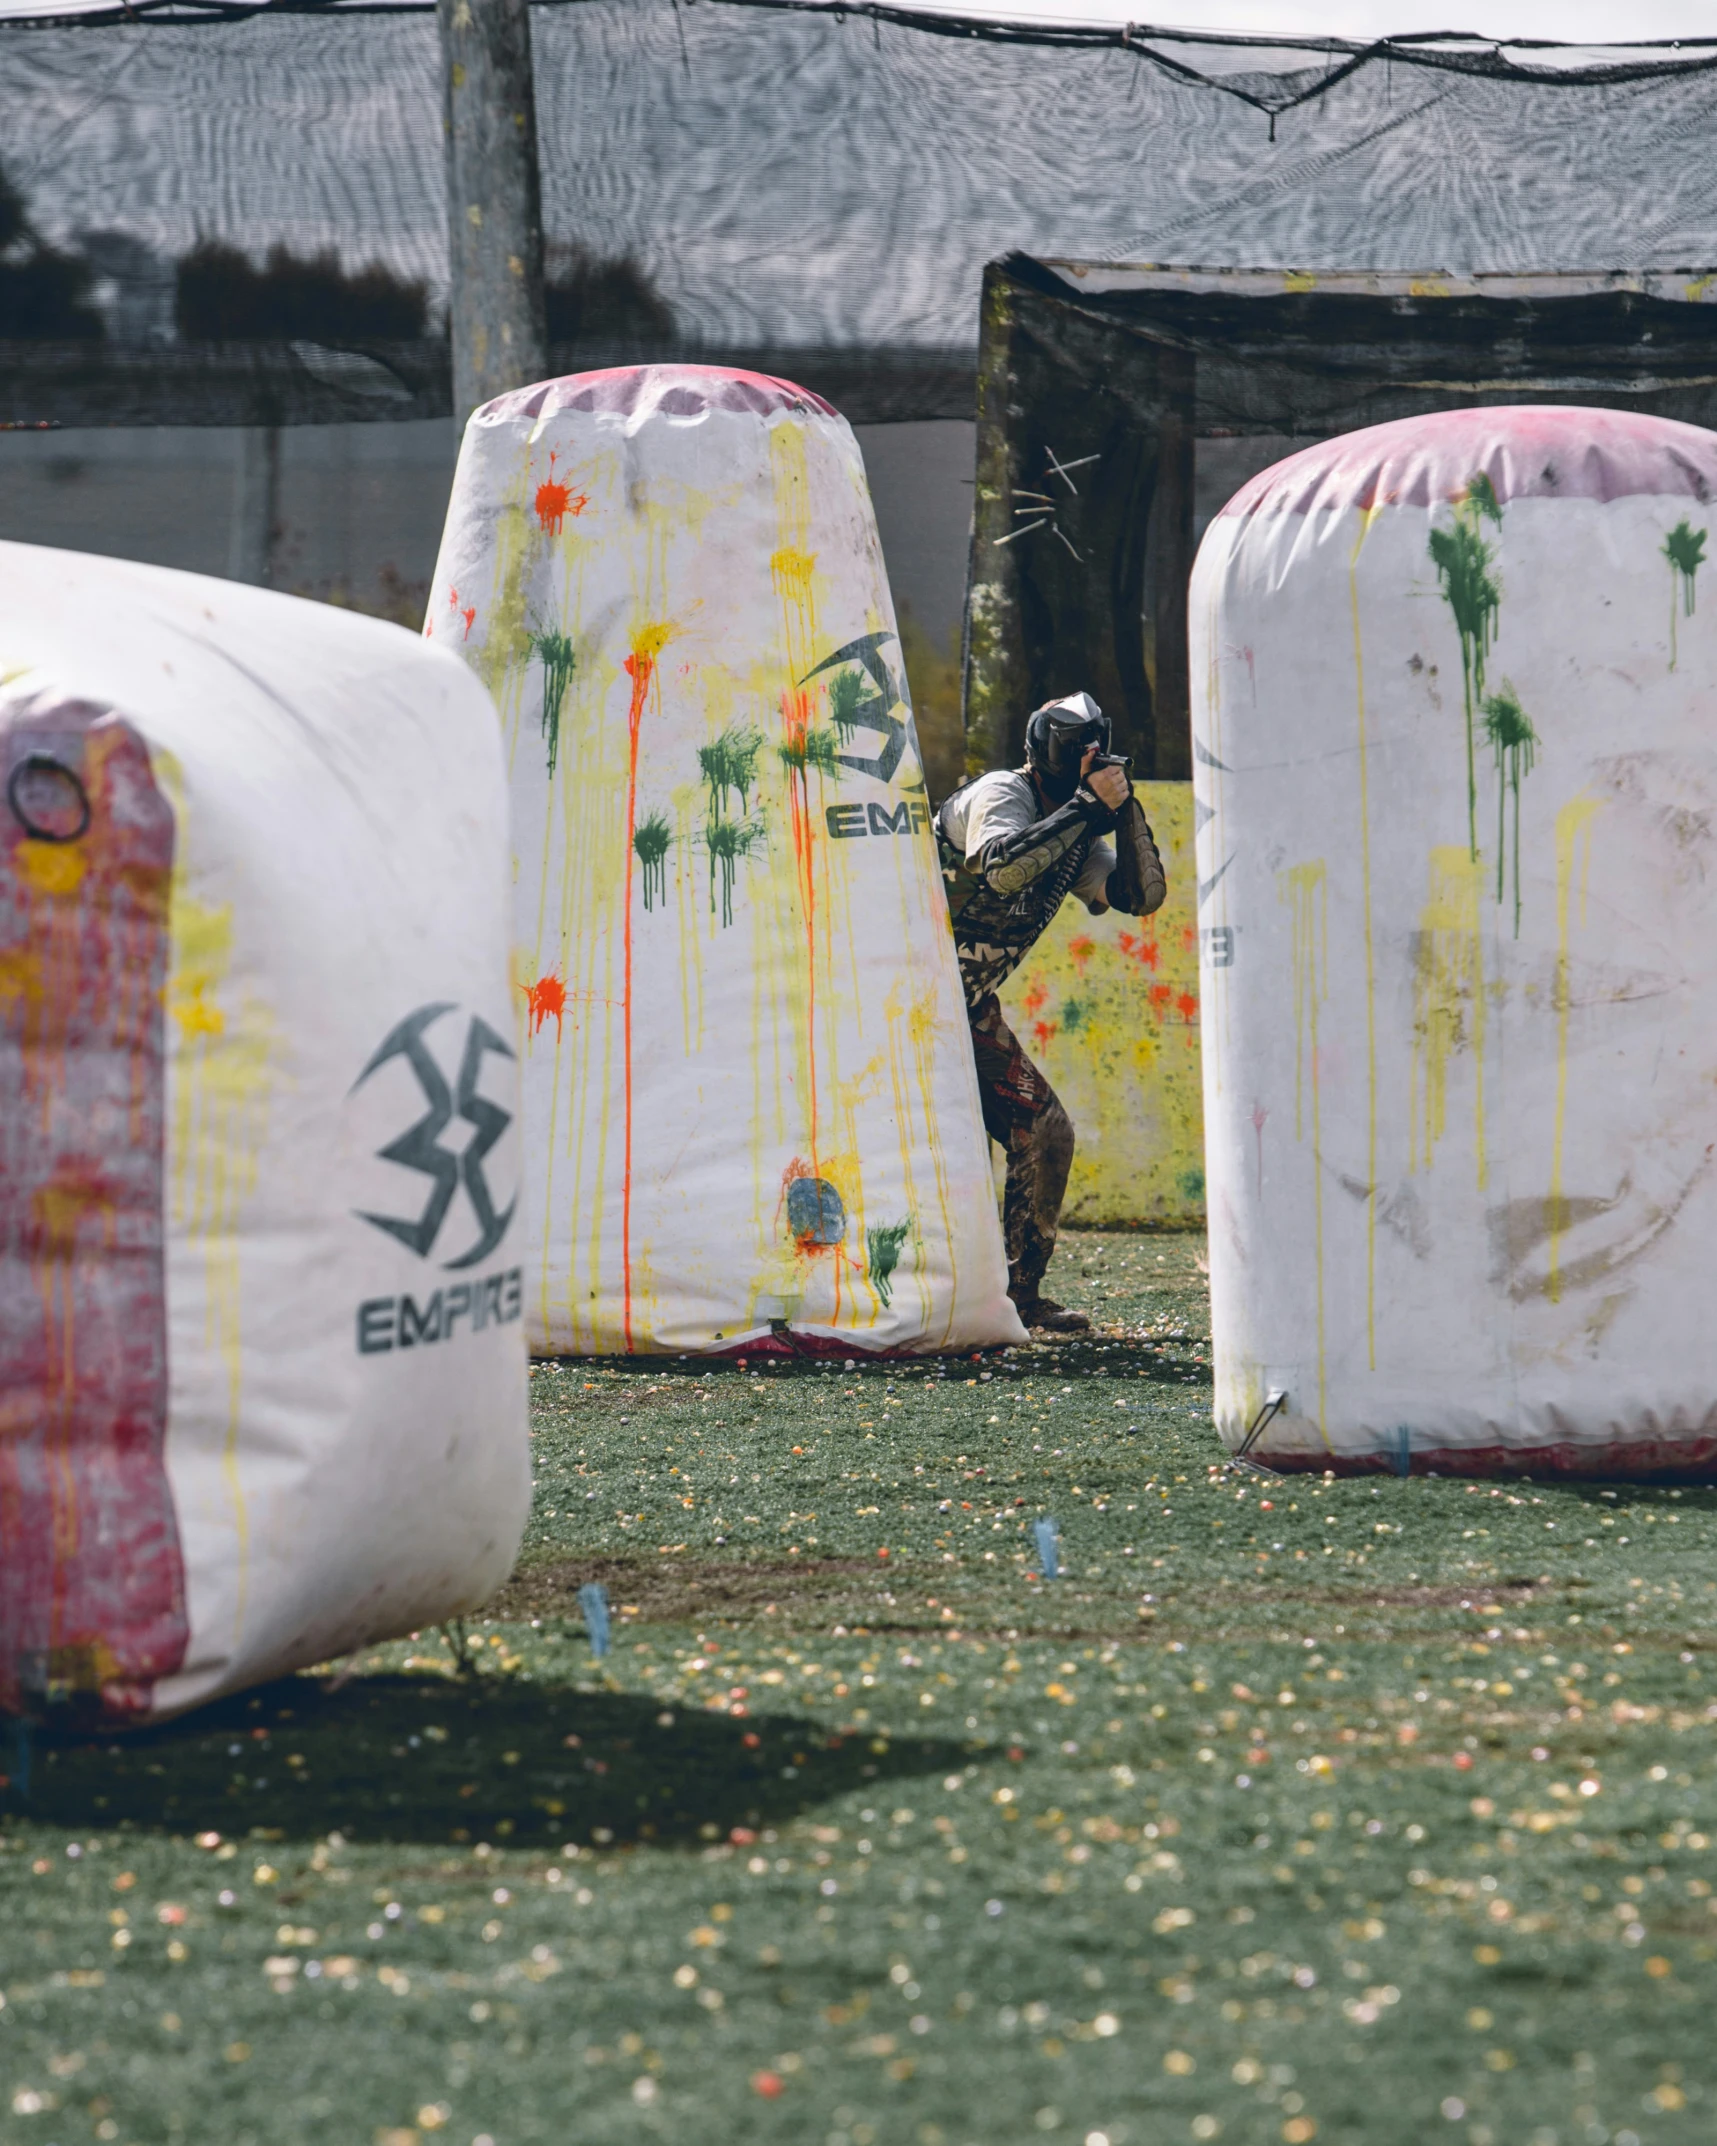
x: 1455, y: 743
x: 751, y: 1118
x: 262, y: 1373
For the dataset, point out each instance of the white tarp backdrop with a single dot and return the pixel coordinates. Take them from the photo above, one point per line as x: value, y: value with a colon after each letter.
x: 1456, y: 778
x: 262, y: 1369
x: 751, y: 1116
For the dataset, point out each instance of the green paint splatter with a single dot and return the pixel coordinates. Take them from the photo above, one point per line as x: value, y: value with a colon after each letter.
x: 1192, y: 1184
x: 730, y: 764
x: 556, y: 654
x: 1514, y: 742
x: 1684, y: 548
x: 1481, y: 498
x: 883, y: 1246
x: 1073, y: 1015
x: 809, y: 748
x: 727, y: 842
x: 651, y: 840
x: 847, y: 691
x: 1463, y: 561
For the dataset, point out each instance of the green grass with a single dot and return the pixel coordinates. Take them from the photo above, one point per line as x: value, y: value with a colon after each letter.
x: 1292, y: 1811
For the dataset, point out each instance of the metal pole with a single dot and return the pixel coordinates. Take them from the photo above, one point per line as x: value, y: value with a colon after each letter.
x: 255, y: 506
x: 494, y: 200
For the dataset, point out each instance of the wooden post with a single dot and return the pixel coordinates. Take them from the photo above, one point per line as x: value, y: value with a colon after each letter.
x: 991, y: 657
x: 1171, y: 556
x: 494, y: 200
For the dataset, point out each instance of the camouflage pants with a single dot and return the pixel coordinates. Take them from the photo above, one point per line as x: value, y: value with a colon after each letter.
x: 1024, y: 1117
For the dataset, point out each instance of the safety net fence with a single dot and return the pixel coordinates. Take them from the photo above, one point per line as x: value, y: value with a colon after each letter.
x: 231, y: 223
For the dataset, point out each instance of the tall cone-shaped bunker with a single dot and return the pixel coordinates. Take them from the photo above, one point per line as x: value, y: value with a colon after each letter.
x: 751, y: 1119
x: 1455, y: 723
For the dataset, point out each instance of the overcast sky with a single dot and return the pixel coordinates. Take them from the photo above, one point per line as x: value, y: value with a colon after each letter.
x: 1570, y: 21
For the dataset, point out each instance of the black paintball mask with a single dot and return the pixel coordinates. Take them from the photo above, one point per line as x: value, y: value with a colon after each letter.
x: 1057, y: 738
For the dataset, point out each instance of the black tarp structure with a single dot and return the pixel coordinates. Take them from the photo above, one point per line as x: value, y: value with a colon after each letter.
x: 1110, y: 396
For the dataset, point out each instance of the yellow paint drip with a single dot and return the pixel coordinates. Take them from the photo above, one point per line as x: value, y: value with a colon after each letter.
x: 21, y: 977
x: 221, y: 1082
x: 1109, y: 1006
x: 50, y: 867
x: 1448, y: 1002
x: 1304, y: 888
x: 1573, y: 841
x: 1367, y: 517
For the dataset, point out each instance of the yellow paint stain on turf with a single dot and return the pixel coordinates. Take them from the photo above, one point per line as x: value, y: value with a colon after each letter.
x: 1448, y: 1002
x: 1304, y: 889
x: 1573, y: 844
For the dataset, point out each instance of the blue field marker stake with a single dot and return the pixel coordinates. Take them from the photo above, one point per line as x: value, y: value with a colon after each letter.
x: 593, y: 1600
x: 1047, y: 1536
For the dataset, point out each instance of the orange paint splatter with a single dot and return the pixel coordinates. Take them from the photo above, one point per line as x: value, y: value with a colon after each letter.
x: 1186, y: 1006
x: 1188, y: 938
x: 1158, y: 997
x: 640, y: 666
x: 545, y: 1000
x: 1080, y: 951
x: 470, y: 618
x: 796, y: 724
x: 1045, y: 1032
x: 1145, y: 951
x: 1035, y: 997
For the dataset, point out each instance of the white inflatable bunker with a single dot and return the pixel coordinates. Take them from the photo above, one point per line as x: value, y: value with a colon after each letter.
x: 262, y: 1372
x: 751, y: 1117
x: 1455, y: 739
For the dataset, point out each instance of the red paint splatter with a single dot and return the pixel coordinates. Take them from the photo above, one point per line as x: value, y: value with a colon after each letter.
x: 1144, y: 950
x: 1045, y: 1032
x: 1080, y: 951
x: 555, y: 501
x: 1187, y: 1006
x: 1158, y: 998
x: 545, y: 1000
x: 470, y: 618
x: 91, y: 1574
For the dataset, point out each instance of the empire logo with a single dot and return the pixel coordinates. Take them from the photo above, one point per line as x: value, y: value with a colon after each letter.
x: 401, y: 1322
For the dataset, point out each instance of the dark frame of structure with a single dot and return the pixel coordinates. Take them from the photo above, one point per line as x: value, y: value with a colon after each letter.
x: 1096, y: 382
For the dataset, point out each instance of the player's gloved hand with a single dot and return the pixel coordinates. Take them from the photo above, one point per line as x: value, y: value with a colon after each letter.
x: 1109, y: 785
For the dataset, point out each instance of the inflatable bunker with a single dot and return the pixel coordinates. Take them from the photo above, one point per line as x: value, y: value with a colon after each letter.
x: 1455, y: 741
x: 751, y: 1121
x: 262, y: 1374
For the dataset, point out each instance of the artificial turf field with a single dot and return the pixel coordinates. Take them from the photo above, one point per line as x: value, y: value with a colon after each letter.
x: 1358, y: 1811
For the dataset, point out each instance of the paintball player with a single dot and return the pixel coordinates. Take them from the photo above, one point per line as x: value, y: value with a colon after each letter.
x: 1014, y: 844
